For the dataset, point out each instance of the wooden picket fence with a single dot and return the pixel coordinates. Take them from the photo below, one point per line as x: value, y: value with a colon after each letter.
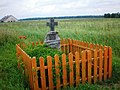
x: 86, y: 62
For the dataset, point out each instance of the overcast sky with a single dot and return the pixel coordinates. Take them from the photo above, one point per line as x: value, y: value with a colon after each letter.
x: 46, y: 8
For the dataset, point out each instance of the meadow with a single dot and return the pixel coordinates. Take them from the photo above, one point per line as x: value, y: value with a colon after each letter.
x: 99, y: 31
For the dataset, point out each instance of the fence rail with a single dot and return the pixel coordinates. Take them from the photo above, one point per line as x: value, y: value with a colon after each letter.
x: 80, y: 62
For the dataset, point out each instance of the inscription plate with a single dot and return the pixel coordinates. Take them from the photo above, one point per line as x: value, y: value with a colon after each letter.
x: 52, y: 37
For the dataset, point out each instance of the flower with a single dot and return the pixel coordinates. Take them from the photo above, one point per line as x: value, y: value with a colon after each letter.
x: 22, y: 37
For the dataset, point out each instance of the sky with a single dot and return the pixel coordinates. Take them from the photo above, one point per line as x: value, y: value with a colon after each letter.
x: 47, y: 8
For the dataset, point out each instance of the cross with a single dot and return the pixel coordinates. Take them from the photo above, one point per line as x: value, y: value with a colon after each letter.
x: 52, y: 24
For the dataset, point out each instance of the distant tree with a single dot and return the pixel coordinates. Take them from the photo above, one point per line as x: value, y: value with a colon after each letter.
x: 107, y: 15
x: 117, y: 15
x: 113, y: 15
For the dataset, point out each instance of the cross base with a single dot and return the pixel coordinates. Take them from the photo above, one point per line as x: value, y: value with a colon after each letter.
x: 52, y: 39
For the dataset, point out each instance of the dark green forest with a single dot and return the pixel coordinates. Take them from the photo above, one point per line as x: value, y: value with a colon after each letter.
x: 64, y: 17
x: 106, y: 15
x: 112, y: 15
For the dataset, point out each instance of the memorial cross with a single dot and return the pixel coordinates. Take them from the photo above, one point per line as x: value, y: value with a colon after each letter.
x: 52, y: 24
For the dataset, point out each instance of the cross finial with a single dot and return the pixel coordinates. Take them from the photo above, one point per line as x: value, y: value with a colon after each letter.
x: 52, y: 24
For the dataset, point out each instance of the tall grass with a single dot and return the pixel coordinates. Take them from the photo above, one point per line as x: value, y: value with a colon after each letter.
x: 10, y: 76
x: 8, y: 37
x: 98, y: 31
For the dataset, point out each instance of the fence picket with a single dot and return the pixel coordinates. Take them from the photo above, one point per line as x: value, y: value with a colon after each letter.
x: 101, y: 47
x: 34, y: 73
x: 85, y: 44
x: 89, y: 66
x: 50, y: 75
x: 42, y: 72
x: 70, y: 45
x: 27, y: 66
x: 24, y: 60
x: 63, y: 46
x: 56, y: 57
x: 73, y: 47
x: 64, y: 70
x: 91, y: 46
x: 71, y: 68
x: 105, y: 62
x: 95, y: 65
x: 30, y: 72
x: 66, y: 46
x: 80, y: 50
x: 83, y: 67
x: 77, y: 68
x: 110, y: 62
x: 100, y: 64
x: 82, y: 44
x: 97, y: 46
x: 77, y: 46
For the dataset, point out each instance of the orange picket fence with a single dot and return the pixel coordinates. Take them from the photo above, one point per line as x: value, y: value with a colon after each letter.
x: 81, y: 62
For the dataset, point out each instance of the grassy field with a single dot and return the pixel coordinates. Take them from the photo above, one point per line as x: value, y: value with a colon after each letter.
x: 98, y: 31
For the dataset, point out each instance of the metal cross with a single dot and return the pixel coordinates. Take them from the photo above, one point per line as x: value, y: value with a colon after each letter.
x: 52, y: 24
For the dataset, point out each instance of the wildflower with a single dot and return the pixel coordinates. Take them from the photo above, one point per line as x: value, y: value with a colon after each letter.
x: 33, y: 43
x: 22, y: 37
x: 36, y: 43
x: 18, y: 53
x: 41, y: 42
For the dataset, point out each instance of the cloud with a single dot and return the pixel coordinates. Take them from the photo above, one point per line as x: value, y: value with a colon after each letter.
x: 43, y: 8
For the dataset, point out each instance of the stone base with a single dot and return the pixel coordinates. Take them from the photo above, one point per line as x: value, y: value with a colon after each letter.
x: 52, y: 39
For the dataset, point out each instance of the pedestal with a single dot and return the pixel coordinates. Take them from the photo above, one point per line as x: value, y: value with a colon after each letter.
x: 52, y: 39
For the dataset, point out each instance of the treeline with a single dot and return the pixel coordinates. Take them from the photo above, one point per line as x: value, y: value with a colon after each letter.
x: 63, y: 17
x: 112, y: 15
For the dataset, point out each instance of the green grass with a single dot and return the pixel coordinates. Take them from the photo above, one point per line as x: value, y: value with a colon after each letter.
x: 98, y: 31
x: 42, y: 51
x: 11, y: 79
